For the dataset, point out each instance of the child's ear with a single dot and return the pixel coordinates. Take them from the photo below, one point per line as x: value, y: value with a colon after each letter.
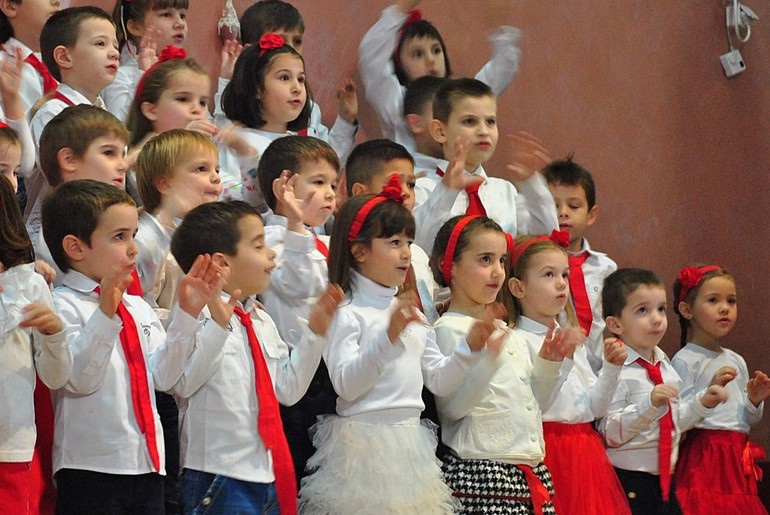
x: 359, y: 252
x: 67, y: 160
x: 9, y: 8
x: 148, y: 110
x: 74, y: 247
x: 516, y: 287
x: 163, y: 186
x: 135, y: 29
x: 62, y: 57
x: 684, y: 310
x: 221, y: 261
x: 359, y: 189
x: 593, y: 214
x: 415, y: 123
x: 438, y: 131
x: 613, y: 325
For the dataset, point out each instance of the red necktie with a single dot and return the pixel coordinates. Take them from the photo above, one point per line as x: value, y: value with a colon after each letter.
x: 666, y: 432
x: 269, y: 423
x: 140, y: 389
x: 577, y: 287
x: 321, y: 246
x: 135, y: 288
x: 475, y: 207
x: 49, y: 83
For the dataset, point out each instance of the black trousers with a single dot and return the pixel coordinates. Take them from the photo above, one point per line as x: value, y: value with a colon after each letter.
x: 644, y: 494
x: 84, y: 492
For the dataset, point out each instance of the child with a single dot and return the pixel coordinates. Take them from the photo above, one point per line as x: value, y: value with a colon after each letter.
x: 583, y: 477
x: 144, y: 28
x: 418, y: 115
x: 402, y: 47
x: 234, y: 454
x: 491, y: 422
x: 707, y: 308
x: 281, y: 18
x: 380, y: 353
x: 33, y: 344
x: 572, y: 186
x: 645, y: 419
x: 108, y: 443
x: 465, y: 124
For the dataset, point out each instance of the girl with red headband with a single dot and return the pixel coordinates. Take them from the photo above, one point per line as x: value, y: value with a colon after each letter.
x: 402, y: 47
x: 375, y: 456
x: 583, y: 477
x: 716, y: 472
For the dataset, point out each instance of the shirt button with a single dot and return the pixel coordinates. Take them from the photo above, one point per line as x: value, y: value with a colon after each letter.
x: 533, y: 438
x: 530, y: 407
x: 206, y: 501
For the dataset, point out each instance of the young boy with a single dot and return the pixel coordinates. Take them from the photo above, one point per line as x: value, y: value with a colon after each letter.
x: 573, y: 189
x: 81, y: 142
x: 418, y: 113
x: 465, y: 124
x: 108, y: 444
x: 235, y: 458
x: 645, y: 420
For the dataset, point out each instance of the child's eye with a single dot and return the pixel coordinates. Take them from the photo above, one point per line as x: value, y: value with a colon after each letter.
x: 301, y: 79
x: 491, y: 122
x: 565, y: 275
x: 468, y: 122
x: 417, y: 54
x: 297, y: 42
x: 182, y: 98
x: 202, y: 169
x: 486, y: 260
x: 641, y: 311
x: 411, y: 185
x: 661, y: 309
x: 549, y: 274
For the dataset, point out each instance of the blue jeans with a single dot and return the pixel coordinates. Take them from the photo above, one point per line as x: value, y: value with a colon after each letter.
x: 215, y: 494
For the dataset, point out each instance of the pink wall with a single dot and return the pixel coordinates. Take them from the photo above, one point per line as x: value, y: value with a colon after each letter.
x: 636, y: 91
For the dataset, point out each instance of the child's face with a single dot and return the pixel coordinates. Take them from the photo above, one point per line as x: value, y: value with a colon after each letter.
x: 94, y: 58
x: 386, y: 261
x: 642, y: 321
x: 422, y: 56
x: 112, y: 245
x: 10, y: 161
x: 714, y: 311
x: 474, y: 121
x: 103, y: 161
x: 572, y: 207
x: 316, y: 186
x: 184, y: 100
x: 543, y: 290
x: 250, y: 268
x: 293, y: 37
x: 194, y: 181
x: 29, y: 16
x: 479, y: 272
x: 283, y: 96
x: 405, y: 171
x: 172, y: 24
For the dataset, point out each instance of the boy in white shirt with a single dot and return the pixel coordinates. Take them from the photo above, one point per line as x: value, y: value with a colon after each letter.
x: 235, y: 457
x: 108, y: 441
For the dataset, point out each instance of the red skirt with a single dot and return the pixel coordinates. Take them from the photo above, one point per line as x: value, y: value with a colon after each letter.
x: 716, y: 474
x: 583, y: 477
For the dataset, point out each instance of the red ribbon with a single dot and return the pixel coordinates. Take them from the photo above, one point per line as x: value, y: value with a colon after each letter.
x: 559, y: 236
x: 270, y: 42
x: 751, y: 454
x: 691, y: 277
x: 167, y: 54
x: 449, y: 252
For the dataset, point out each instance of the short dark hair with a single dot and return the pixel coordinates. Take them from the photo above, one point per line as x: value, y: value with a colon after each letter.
x: 620, y: 284
x: 15, y: 245
x: 263, y: 17
x: 420, y: 92
x: 367, y: 159
x: 291, y: 153
x: 239, y: 99
x: 210, y: 228
x: 418, y: 29
x: 75, y: 208
x: 62, y: 29
x: 569, y: 173
x: 76, y: 127
x: 453, y: 91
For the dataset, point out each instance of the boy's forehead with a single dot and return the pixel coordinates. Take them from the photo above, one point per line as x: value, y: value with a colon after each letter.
x: 646, y: 293
x: 109, y: 138
x: 568, y: 190
x: 250, y: 228
x: 118, y: 215
x: 483, y: 105
x: 94, y: 25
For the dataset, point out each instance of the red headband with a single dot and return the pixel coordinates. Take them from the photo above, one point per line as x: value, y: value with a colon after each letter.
x: 414, y: 16
x: 559, y: 236
x: 391, y: 191
x: 692, y: 276
x: 449, y: 252
x: 167, y: 54
x: 270, y: 42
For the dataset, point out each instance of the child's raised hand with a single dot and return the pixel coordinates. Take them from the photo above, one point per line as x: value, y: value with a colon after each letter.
x: 662, y: 393
x: 615, y: 351
x: 558, y: 345
x: 283, y: 189
x: 724, y: 375
x: 455, y: 176
x: 715, y: 394
x: 221, y: 310
x: 405, y: 313
x: 44, y: 269
x: 112, y: 288
x: 324, y: 309
x: 10, y: 85
x: 205, y: 127
x: 758, y: 388
x: 148, y: 48
x: 198, y: 285
x: 231, y: 50
x: 525, y: 155
x: 42, y: 318
x: 347, y: 101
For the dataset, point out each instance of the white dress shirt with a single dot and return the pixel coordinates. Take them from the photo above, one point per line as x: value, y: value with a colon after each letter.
x: 159, y: 273
x: 119, y: 95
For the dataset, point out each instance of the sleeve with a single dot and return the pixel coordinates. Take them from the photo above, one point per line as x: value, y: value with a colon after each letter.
x: 356, y: 357
x: 119, y: 95
x: 204, y: 360
x: 53, y: 358
x: 501, y: 68
x: 375, y: 65
x: 691, y: 411
x: 752, y: 413
x: 430, y: 215
x: 626, y: 419
x: 547, y: 379
x: 604, y: 389
x: 341, y: 137
x: 44, y: 115
x: 300, y: 272
x: 27, y: 146
x: 441, y: 373
x: 219, y: 114
x: 297, y: 367
x: 535, y: 207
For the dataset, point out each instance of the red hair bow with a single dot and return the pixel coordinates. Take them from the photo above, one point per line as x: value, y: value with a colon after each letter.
x: 169, y: 53
x: 691, y: 276
x: 391, y: 191
x: 558, y: 236
x: 4, y: 125
x: 270, y: 42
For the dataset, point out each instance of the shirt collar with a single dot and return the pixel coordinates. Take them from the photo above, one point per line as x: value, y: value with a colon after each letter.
x: 657, y: 355
x: 79, y: 282
x: 533, y: 326
x: 363, y: 287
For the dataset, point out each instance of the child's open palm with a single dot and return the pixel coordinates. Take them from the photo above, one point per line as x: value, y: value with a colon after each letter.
x: 198, y: 285
x: 558, y: 345
x: 406, y: 312
x: 662, y: 393
x: 455, y: 176
x: 42, y: 318
x: 715, y: 394
x: 525, y: 156
x: 112, y: 288
x: 323, y: 312
x: 758, y: 388
x: 724, y: 375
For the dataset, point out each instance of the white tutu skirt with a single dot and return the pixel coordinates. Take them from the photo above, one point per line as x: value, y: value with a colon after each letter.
x: 372, y: 468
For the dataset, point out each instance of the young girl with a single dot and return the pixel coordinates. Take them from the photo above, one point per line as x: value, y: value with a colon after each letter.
x: 707, y: 309
x: 583, y: 477
x: 375, y: 457
x: 402, y: 47
x: 144, y: 27
x: 33, y: 341
x: 268, y: 96
x: 491, y: 422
